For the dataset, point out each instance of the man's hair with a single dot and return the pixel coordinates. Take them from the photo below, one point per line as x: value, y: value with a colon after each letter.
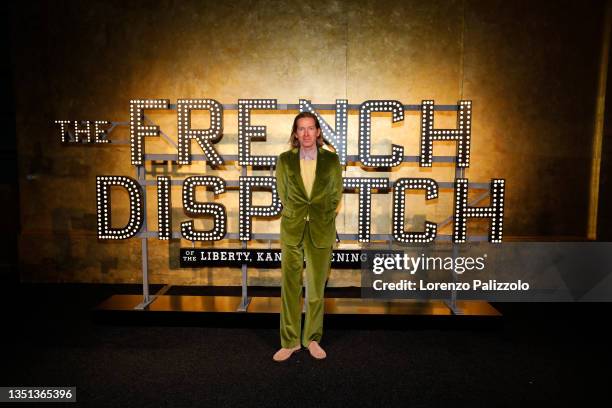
x: 293, y: 139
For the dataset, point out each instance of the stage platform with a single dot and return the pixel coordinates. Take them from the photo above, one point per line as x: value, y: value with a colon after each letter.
x: 220, y: 304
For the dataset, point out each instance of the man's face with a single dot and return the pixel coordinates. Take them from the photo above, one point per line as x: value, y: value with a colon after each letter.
x: 307, y: 132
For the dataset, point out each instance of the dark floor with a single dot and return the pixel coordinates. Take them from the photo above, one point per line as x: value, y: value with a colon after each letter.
x: 536, y: 355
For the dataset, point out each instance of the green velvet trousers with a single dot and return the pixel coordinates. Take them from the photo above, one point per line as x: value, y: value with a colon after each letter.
x: 318, y: 263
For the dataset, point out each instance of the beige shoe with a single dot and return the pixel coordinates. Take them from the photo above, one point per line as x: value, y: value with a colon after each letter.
x: 316, y: 351
x: 284, y: 353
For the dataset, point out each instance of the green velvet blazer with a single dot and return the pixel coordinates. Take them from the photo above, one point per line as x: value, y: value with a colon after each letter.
x: 319, y: 209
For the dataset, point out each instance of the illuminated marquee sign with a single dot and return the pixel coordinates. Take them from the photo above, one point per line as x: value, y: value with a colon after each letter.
x: 248, y: 133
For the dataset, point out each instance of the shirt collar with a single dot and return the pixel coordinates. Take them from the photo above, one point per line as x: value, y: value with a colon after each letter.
x: 310, y: 154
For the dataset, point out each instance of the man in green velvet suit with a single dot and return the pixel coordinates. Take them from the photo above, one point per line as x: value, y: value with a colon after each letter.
x: 309, y: 183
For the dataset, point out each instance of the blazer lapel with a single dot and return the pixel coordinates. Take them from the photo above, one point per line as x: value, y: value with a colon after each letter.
x: 295, y: 170
x: 319, y: 171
